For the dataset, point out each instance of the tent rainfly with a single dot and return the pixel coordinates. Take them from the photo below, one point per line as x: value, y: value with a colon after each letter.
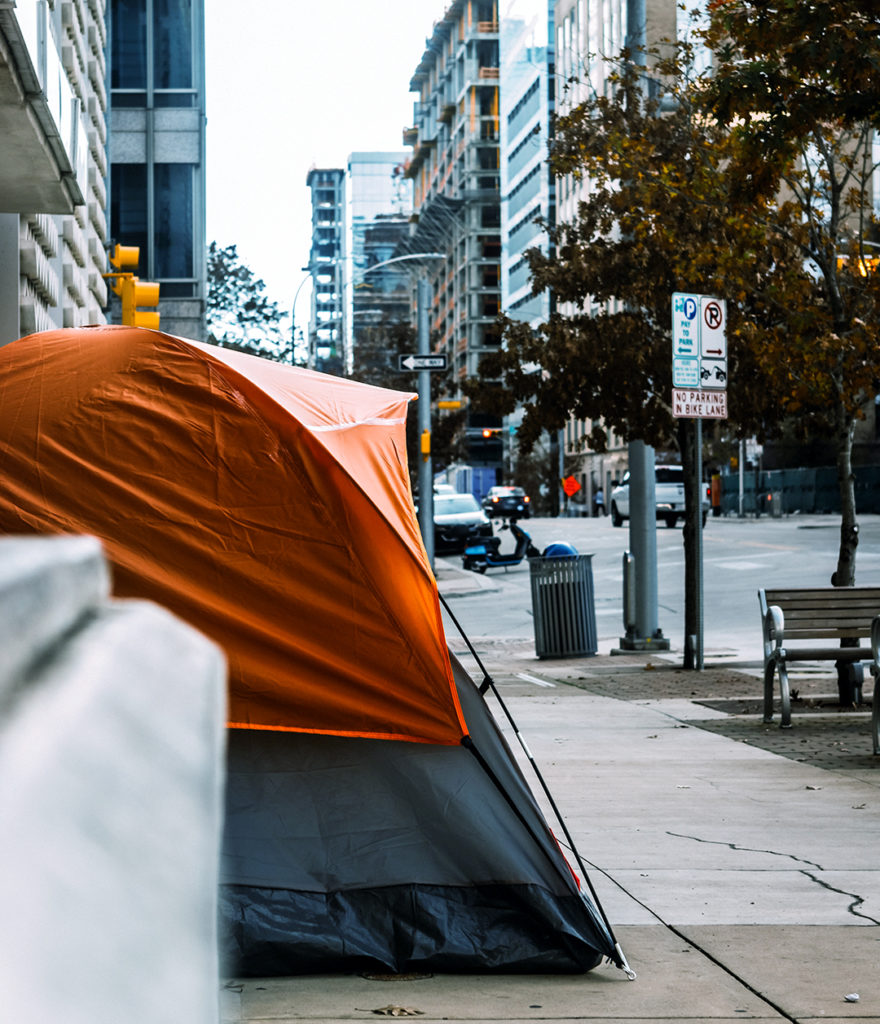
x: 375, y: 816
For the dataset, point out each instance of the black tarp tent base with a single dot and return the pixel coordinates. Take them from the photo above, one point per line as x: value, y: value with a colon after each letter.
x: 355, y: 854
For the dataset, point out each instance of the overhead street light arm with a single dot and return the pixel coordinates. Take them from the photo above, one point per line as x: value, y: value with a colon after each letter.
x: 408, y: 256
x: 293, y: 320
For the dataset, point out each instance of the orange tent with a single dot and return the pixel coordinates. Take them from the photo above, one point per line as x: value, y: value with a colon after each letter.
x: 267, y: 505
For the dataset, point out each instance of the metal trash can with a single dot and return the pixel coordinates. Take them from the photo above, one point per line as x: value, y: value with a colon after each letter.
x: 563, y: 606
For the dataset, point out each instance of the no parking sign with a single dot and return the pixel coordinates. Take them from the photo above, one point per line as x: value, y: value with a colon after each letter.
x: 699, y: 348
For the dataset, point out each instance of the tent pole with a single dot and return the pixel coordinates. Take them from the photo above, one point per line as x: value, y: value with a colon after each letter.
x: 489, y: 683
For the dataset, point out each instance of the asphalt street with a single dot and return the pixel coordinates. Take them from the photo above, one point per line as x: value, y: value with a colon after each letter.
x: 739, y: 556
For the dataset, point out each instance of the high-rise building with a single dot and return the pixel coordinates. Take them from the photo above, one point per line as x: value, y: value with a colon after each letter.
x: 157, y: 146
x: 527, y: 187
x: 384, y: 296
x: 52, y: 166
x: 379, y: 206
x: 455, y: 171
x: 326, y: 344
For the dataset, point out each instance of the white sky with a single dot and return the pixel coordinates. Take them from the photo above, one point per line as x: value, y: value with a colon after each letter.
x: 291, y: 85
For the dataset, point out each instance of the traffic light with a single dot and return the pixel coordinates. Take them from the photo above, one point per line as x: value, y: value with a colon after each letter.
x: 485, y: 445
x: 136, y: 293
x: 133, y: 292
x: 123, y: 257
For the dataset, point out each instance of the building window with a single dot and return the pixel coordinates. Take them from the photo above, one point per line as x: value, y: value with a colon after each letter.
x: 173, y: 53
x: 173, y: 227
x: 129, y: 47
x: 163, y: 28
x: 169, y: 256
x: 128, y: 209
x: 172, y: 44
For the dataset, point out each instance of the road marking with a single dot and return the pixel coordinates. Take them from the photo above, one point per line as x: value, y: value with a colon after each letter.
x: 736, y: 565
x: 534, y: 679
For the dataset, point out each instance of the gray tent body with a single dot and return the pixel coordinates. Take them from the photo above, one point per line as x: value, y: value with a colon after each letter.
x: 353, y: 854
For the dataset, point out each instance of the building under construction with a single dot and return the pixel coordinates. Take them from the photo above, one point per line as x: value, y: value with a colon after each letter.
x: 455, y: 172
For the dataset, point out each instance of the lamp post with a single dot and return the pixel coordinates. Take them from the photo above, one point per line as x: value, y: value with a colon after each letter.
x: 426, y: 476
x: 309, y: 359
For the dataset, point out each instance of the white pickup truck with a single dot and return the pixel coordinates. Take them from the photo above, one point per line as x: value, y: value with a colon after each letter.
x: 669, y: 486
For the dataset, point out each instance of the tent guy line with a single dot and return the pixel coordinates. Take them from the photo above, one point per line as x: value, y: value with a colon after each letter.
x: 488, y: 682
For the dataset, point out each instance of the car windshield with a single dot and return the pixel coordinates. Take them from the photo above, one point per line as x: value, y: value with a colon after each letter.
x: 455, y: 503
x: 669, y: 475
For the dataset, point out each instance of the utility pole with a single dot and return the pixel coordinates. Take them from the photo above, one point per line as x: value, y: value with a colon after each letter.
x: 642, y: 489
x: 426, y: 475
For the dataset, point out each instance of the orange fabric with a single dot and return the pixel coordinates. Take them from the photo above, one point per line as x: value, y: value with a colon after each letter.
x: 267, y: 505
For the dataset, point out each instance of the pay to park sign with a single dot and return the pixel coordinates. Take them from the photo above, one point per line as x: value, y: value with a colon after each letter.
x: 699, y: 356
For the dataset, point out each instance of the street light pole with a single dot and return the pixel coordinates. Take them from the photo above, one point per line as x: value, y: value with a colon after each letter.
x: 425, y: 474
x: 293, y: 322
x: 642, y: 489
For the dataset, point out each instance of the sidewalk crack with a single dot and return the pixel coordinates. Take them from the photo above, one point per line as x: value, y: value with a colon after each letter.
x: 748, y: 849
x: 856, y: 900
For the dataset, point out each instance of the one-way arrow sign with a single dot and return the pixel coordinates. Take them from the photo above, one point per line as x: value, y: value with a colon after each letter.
x: 417, y: 362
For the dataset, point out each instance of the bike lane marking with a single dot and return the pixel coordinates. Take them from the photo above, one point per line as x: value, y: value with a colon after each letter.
x: 534, y: 679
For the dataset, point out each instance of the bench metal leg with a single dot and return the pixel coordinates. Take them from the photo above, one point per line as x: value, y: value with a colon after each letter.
x: 770, y: 669
x: 875, y: 716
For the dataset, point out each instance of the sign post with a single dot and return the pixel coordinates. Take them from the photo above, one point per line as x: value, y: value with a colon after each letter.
x: 699, y: 391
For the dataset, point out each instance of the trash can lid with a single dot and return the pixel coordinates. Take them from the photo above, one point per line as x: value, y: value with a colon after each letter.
x: 559, y: 549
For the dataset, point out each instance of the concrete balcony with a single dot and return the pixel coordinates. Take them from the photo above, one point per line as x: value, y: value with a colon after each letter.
x: 39, y: 119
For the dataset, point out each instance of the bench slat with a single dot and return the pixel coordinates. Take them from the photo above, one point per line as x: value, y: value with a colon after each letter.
x: 863, y: 601
x: 824, y: 634
x: 827, y: 653
x: 806, y: 591
x: 818, y: 615
x: 835, y: 595
x: 832, y: 607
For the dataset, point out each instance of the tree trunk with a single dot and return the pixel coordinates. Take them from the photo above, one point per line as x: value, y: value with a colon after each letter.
x: 845, y: 574
x: 692, y: 523
x: 849, y: 675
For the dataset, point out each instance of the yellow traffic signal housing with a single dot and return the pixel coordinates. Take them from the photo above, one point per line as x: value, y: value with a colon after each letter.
x: 123, y: 257
x: 136, y: 293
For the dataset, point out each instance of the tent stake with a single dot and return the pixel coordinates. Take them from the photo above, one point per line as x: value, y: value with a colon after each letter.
x: 489, y: 683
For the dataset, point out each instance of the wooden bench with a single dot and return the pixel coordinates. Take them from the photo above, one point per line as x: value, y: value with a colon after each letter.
x: 803, y: 616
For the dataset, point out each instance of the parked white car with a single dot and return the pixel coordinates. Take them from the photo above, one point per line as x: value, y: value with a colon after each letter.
x: 669, y: 485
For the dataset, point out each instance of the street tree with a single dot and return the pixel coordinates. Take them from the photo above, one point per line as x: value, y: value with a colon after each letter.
x: 658, y: 217
x: 239, y: 313
x: 797, y: 85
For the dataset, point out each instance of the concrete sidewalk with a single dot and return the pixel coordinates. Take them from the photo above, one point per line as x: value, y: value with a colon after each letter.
x: 737, y: 862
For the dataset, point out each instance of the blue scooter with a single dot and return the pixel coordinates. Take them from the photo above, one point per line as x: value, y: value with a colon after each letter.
x: 481, y: 556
